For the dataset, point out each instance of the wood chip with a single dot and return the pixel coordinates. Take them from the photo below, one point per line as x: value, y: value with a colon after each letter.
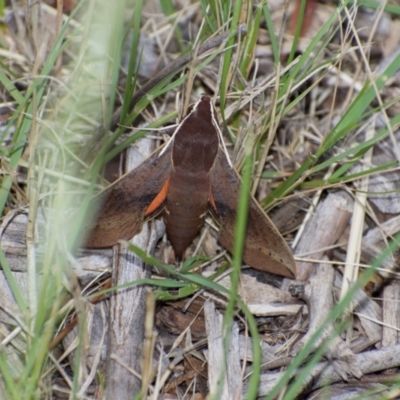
x: 326, y: 373
x: 318, y: 295
x: 229, y: 370
x: 391, y: 314
x: 323, y: 230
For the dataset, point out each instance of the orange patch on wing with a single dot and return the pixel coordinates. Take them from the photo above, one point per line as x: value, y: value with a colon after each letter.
x: 159, y: 199
x: 212, y: 202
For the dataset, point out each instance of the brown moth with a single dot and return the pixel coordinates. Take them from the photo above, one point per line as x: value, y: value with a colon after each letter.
x: 186, y: 179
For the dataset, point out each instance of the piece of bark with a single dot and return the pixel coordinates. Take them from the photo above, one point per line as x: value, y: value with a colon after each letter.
x: 374, y: 242
x: 127, y: 306
x: 368, y: 362
x: 228, y: 368
x: 97, y: 317
x: 274, y: 310
x: 383, y: 189
x: 326, y: 373
x: 290, y: 214
x: 360, y: 344
x: 391, y: 314
x: 367, y: 310
x: 351, y: 391
x: 268, y: 352
x: 251, y: 290
x: 318, y: 295
x: 369, y: 314
x: 376, y: 235
x: 323, y: 230
x: 176, y: 321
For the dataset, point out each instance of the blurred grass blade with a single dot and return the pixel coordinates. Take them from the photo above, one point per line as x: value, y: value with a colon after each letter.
x: 225, y: 78
x: 134, y: 62
x: 15, y: 289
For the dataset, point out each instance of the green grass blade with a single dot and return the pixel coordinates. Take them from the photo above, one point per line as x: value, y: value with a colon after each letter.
x: 13, y: 390
x: 227, y: 59
x: 296, y: 36
x: 19, y: 298
x: 240, y: 237
x: 10, y: 88
x: 209, y: 16
x: 130, y: 79
x: 250, y: 41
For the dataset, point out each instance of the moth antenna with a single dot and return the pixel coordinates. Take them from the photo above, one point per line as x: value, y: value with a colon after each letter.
x: 221, y: 138
x: 170, y: 140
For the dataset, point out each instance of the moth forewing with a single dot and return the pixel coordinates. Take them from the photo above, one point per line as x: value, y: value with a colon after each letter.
x: 123, y: 204
x: 264, y: 248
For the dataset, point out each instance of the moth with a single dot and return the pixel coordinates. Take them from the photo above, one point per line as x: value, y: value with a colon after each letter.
x: 187, y: 179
